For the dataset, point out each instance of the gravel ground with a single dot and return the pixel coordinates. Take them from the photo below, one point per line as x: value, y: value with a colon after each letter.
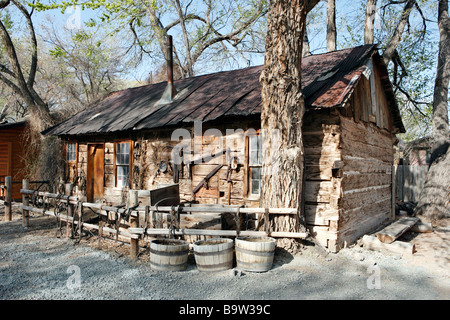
x: 35, y: 264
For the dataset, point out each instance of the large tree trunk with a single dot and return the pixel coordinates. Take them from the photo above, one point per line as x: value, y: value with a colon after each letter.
x: 369, y: 21
x: 331, y: 25
x: 440, y: 98
x: 434, y: 199
x: 283, y: 107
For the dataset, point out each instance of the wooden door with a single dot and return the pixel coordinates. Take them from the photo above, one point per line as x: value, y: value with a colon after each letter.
x: 95, y: 174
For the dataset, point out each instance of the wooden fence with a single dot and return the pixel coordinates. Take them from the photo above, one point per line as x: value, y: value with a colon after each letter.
x: 6, y: 193
x: 69, y: 209
x: 6, y: 197
x: 410, y: 181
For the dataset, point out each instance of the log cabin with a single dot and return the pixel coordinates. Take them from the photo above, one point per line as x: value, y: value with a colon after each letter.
x: 211, y: 124
x: 12, y: 154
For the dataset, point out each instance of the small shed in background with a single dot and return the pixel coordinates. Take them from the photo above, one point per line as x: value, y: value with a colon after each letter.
x: 12, y: 153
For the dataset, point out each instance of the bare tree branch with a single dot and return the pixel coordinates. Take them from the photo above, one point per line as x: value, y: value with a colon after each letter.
x: 34, y: 57
x: 229, y: 36
x: 5, y: 69
x: 396, y: 37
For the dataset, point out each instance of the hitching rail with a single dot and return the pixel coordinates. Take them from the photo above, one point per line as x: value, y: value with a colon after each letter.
x: 135, y: 232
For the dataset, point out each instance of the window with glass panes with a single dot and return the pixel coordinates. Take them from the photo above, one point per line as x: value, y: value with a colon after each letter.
x: 255, y: 163
x: 122, y: 164
x: 71, y: 152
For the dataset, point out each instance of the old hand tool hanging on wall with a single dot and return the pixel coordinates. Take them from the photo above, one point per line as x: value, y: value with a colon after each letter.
x: 231, y: 166
x: 206, y: 179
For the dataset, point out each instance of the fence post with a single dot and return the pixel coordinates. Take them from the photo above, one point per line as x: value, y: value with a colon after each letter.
x: 25, y: 202
x: 394, y: 191
x: 8, y: 198
x: 134, y: 223
x: 70, y: 208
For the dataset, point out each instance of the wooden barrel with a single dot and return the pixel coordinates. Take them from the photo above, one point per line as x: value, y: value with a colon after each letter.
x: 254, y: 253
x: 214, y: 254
x: 169, y: 254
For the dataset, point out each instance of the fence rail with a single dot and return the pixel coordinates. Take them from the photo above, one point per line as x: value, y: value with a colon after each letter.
x: 69, y: 209
x: 410, y: 182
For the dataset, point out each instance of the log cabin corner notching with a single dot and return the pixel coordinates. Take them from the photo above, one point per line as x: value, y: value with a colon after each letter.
x: 126, y: 141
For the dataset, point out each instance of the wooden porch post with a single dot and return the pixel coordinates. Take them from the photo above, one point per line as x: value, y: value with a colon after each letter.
x: 70, y: 209
x: 134, y: 223
x: 8, y: 198
x: 25, y: 202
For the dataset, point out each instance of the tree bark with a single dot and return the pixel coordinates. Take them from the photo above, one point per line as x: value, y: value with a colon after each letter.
x: 15, y: 79
x: 331, y: 25
x: 434, y: 199
x: 440, y: 97
x: 189, y: 64
x: 283, y: 107
x: 369, y: 21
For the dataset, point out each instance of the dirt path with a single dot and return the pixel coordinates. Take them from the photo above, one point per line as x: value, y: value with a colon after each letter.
x: 35, y: 264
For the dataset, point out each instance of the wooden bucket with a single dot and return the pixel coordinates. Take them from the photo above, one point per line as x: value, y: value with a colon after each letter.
x: 214, y: 254
x: 255, y: 253
x: 169, y: 254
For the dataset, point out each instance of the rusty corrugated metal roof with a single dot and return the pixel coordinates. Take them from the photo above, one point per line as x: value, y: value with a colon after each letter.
x: 327, y: 79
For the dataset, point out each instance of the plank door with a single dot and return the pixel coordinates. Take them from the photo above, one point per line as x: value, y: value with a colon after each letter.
x: 96, y: 172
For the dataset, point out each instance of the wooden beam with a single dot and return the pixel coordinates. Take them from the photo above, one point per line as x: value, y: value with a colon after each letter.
x: 421, y: 227
x: 25, y: 202
x: 393, y: 190
x: 70, y: 209
x: 135, y: 232
x: 8, y: 198
x: 396, y: 229
x: 206, y: 179
x: 85, y: 225
x: 134, y: 223
x: 185, y: 209
x: 220, y: 233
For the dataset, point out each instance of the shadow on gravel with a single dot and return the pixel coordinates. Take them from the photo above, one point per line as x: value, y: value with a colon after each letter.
x: 281, y: 257
x: 41, y: 269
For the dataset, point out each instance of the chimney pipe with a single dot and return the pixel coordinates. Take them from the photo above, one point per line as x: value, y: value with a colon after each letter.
x: 170, y: 92
x: 170, y: 64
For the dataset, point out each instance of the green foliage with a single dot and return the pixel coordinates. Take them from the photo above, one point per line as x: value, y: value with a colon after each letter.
x: 57, y: 52
x: 6, y: 19
x: 81, y: 36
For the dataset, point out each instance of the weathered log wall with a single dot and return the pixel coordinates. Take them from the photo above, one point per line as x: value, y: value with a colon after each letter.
x: 322, y: 139
x: 152, y: 148
x: 367, y: 153
x: 348, y: 166
x: 348, y: 174
x: 367, y: 144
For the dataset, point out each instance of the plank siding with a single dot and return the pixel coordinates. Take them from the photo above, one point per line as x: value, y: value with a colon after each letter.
x: 12, y: 154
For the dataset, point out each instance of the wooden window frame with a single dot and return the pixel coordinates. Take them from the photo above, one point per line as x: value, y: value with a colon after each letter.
x: 71, y: 163
x: 248, y: 167
x: 76, y: 151
x: 130, y: 161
